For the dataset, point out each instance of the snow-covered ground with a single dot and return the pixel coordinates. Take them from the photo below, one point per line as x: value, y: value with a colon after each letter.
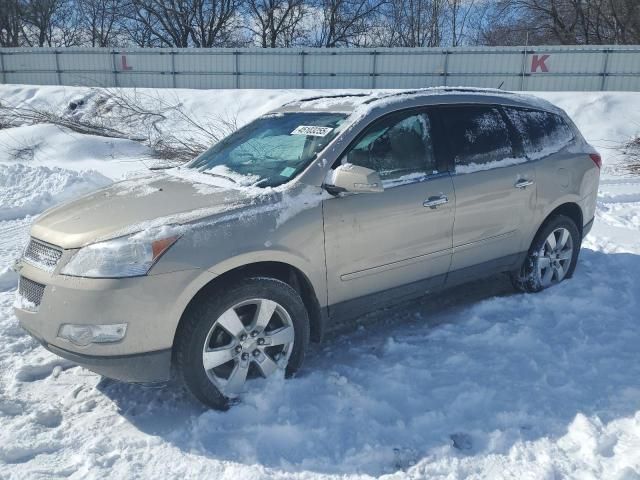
x: 481, y: 383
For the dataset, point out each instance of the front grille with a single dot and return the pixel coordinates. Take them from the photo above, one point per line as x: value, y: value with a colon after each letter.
x: 30, y: 292
x: 42, y: 255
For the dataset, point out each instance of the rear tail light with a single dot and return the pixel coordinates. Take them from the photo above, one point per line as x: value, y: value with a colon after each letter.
x: 597, y: 159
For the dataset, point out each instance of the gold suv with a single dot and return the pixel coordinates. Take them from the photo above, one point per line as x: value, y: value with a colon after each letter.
x: 322, y: 210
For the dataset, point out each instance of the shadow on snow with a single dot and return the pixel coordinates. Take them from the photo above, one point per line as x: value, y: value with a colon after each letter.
x: 479, y: 367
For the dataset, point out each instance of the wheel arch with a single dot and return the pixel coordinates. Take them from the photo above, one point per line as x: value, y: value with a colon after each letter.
x: 568, y: 209
x: 521, y: 280
x: 279, y: 270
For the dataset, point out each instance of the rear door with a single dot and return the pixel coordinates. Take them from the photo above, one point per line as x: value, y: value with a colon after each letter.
x: 392, y: 241
x: 545, y: 138
x: 495, y: 190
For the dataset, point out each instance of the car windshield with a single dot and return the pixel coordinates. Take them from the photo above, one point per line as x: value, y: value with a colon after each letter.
x: 270, y: 150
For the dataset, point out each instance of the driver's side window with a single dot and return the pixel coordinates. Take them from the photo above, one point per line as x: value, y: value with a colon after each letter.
x: 398, y: 147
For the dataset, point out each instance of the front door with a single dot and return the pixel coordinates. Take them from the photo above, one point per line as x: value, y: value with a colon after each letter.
x: 395, y: 244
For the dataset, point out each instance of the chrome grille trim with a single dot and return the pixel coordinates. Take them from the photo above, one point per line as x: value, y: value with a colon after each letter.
x: 30, y: 291
x: 42, y: 255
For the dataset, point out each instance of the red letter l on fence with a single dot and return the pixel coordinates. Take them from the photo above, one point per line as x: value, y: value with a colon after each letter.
x: 124, y: 63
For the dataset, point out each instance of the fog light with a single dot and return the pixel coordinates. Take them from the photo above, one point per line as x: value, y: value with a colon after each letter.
x: 83, y: 335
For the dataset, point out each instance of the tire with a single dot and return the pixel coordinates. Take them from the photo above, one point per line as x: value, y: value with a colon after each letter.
x: 534, y: 275
x: 210, y: 330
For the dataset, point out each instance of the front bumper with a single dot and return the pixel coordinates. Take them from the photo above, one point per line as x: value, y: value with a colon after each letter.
x: 145, y: 367
x: 150, y: 305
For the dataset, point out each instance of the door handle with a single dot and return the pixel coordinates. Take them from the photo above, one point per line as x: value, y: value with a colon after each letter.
x: 523, y: 183
x: 433, y: 202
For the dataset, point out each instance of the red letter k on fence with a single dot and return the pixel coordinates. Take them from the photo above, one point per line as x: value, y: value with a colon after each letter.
x: 539, y: 62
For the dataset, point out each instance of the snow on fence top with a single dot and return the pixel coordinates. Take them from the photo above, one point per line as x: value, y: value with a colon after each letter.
x: 544, y: 68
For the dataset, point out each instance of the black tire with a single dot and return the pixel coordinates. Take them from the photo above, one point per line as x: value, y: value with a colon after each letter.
x: 527, y: 278
x: 200, y: 318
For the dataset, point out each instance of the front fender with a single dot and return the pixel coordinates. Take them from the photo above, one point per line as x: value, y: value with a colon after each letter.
x: 315, y: 276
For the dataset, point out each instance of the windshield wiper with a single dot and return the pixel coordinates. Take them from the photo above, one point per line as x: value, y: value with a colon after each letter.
x: 221, y: 176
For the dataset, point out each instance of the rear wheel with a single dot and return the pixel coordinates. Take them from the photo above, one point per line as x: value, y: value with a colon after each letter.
x: 552, y: 257
x: 249, y: 330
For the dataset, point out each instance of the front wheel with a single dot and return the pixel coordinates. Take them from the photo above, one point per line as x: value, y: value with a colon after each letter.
x: 552, y: 257
x: 249, y: 330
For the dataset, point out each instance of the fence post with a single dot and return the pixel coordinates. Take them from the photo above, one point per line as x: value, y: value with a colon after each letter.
x: 236, y: 71
x: 445, y: 69
x: 4, y: 75
x: 58, y: 72
x: 374, y: 71
x: 173, y: 68
x: 115, y: 68
x: 605, y: 69
x: 302, y: 72
x: 524, y: 66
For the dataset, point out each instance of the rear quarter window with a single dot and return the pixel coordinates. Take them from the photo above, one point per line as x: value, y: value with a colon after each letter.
x: 542, y: 133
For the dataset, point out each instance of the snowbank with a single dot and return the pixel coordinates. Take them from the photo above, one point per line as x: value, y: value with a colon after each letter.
x: 607, y: 119
x: 26, y: 190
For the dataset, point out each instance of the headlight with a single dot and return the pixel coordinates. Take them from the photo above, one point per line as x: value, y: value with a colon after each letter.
x: 129, y: 256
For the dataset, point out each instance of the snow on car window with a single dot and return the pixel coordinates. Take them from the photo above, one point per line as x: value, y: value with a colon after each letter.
x: 478, y: 135
x: 398, y: 147
x: 542, y: 133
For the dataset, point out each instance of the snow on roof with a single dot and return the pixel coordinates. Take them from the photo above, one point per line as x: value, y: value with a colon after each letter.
x: 350, y: 102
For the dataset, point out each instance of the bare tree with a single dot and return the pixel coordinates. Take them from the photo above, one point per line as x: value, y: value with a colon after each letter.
x: 183, y: 23
x: 38, y: 25
x: 214, y: 22
x: 169, y: 21
x: 100, y: 21
x: 137, y: 27
x: 345, y: 22
x: 50, y: 23
x: 567, y: 22
x: 459, y: 13
x: 10, y: 23
x: 323, y: 23
x: 416, y: 23
x: 276, y: 23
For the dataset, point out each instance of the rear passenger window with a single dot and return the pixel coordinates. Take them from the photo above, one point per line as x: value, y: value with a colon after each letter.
x: 542, y: 133
x: 478, y: 137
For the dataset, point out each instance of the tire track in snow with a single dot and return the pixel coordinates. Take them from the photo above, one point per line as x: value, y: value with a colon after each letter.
x: 618, y: 203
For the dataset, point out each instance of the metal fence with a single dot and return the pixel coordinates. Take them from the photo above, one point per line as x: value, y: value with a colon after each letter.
x: 511, y: 68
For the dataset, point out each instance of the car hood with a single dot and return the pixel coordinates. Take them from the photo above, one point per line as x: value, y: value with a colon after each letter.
x: 133, y: 205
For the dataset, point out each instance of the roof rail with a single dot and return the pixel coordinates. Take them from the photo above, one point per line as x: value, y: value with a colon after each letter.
x: 320, y: 97
x: 375, y: 97
x: 440, y: 89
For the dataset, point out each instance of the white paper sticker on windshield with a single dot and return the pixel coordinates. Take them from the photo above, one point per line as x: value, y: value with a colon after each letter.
x: 312, y: 131
x: 287, y: 172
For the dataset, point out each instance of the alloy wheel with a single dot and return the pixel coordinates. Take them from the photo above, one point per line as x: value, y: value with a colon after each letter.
x: 554, y: 257
x: 252, y: 339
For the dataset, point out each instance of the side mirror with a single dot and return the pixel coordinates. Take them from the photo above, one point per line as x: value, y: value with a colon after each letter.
x: 353, y: 179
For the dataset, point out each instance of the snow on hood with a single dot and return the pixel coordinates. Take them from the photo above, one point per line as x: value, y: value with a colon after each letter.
x: 133, y: 204
x: 180, y: 198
